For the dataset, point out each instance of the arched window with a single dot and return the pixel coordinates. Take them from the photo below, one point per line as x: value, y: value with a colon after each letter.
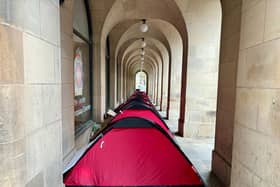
x: 82, y: 48
x: 141, y: 79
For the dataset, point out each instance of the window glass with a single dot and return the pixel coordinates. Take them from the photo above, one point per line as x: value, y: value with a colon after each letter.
x: 82, y: 100
x: 80, y: 22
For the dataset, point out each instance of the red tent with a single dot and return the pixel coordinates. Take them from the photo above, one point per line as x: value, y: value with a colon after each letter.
x: 146, y: 114
x: 136, y: 149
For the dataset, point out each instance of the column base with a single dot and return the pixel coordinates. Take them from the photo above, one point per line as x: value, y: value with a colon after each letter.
x: 221, y: 168
x: 181, y: 123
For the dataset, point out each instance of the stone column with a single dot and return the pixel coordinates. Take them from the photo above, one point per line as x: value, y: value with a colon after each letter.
x: 222, y: 154
x: 30, y: 94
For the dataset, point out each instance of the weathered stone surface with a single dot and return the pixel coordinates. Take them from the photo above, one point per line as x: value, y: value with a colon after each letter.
x: 68, y: 141
x: 227, y: 75
x: 33, y: 108
x: 259, y: 66
x: 67, y: 47
x: 246, y: 108
x: 66, y: 19
x: 224, y: 140
x: 11, y: 109
x: 53, y: 176
x: 252, y: 27
x: 226, y: 99
x: 51, y: 103
x: 11, y: 56
x: 30, y: 94
x: 68, y: 95
x: 12, y: 12
x: 50, y: 14
x: 258, y: 110
x: 272, y: 26
x: 226, y: 89
x: 67, y: 71
x: 202, y: 71
x: 67, y: 79
x: 221, y: 168
x: 256, y: 152
x: 38, y: 180
x: 39, y: 60
x: 256, y: 130
x: 14, y: 175
x: 32, y: 17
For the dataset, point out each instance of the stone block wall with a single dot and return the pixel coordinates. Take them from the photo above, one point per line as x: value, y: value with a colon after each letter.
x: 256, y: 146
x: 30, y: 94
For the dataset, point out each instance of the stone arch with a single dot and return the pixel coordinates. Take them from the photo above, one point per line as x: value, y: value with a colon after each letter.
x: 168, y: 30
x: 154, y: 69
x: 115, y: 10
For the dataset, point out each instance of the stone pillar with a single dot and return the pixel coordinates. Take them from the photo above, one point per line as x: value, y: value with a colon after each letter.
x: 30, y: 94
x: 203, y: 66
x: 67, y: 78
x: 98, y: 12
x: 222, y: 154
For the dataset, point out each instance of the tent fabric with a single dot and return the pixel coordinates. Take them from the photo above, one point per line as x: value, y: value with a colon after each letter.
x: 146, y: 114
x: 143, y: 167
x: 135, y: 97
x: 135, y: 149
x: 140, y: 105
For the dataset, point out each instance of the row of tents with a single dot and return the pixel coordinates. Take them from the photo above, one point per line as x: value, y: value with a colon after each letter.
x: 135, y: 149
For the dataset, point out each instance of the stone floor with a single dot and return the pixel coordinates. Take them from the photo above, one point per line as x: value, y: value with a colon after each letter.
x: 199, y: 151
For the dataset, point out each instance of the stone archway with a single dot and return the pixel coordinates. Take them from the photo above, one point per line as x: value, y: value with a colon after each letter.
x: 116, y: 8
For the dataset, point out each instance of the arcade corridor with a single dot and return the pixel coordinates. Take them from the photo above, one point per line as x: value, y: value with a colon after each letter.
x: 210, y: 67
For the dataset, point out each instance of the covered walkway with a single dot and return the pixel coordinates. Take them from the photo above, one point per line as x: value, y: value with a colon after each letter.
x: 211, y: 67
x: 136, y: 148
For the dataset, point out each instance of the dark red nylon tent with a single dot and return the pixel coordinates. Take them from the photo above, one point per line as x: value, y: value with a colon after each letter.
x: 146, y: 114
x: 136, y: 149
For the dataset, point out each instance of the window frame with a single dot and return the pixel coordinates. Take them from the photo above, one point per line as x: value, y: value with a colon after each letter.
x: 89, y: 42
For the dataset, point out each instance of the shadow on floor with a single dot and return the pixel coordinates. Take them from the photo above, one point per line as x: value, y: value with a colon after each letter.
x: 199, y: 152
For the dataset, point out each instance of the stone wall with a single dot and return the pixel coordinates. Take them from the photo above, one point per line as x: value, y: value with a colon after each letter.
x: 256, y: 146
x: 98, y: 9
x: 204, y: 29
x: 30, y: 94
x: 222, y: 154
x: 204, y: 43
x: 67, y: 72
